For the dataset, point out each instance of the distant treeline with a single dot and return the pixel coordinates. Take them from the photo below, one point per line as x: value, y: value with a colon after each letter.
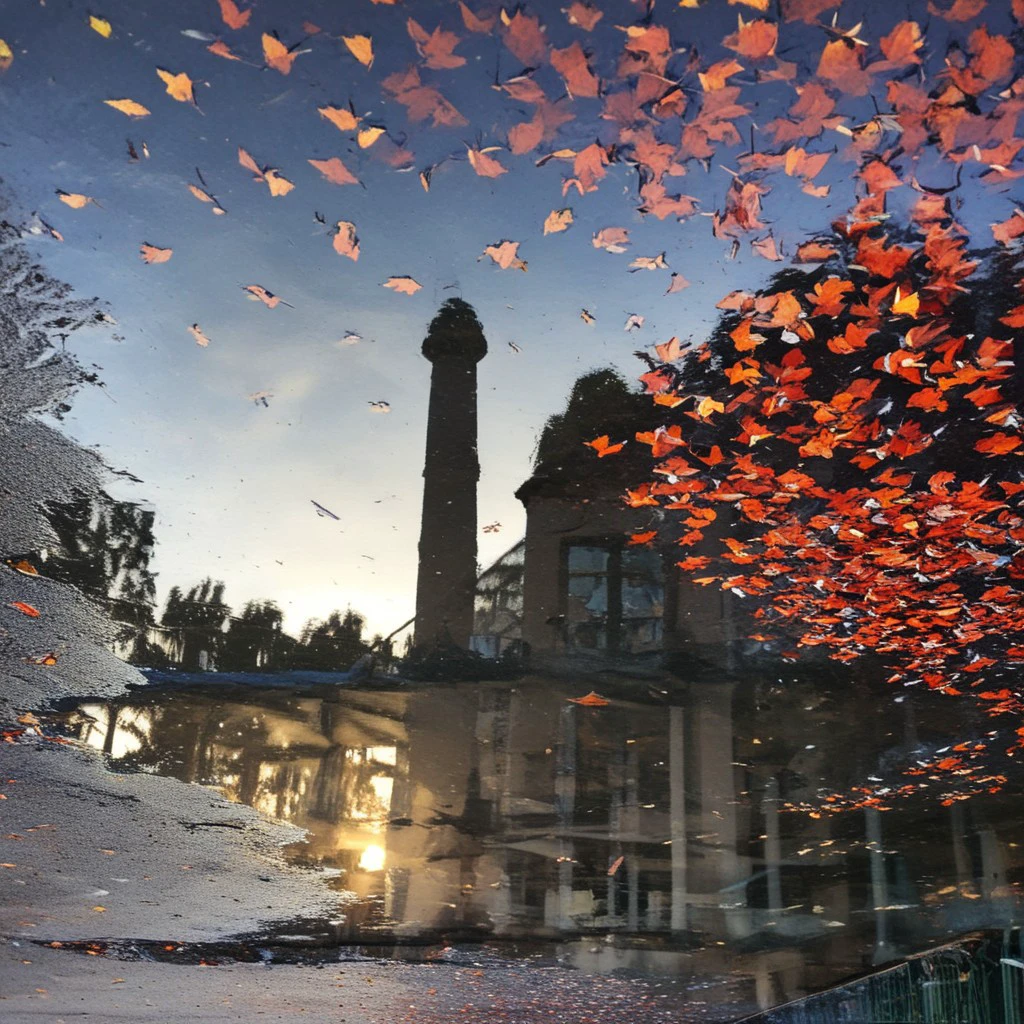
x: 103, y: 547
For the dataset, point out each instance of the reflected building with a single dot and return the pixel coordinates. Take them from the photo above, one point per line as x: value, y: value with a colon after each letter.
x: 576, y: 594
x: 503, y: 811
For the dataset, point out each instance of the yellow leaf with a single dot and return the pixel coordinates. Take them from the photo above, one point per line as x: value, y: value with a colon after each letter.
x: 342, y: 119
x: 707, y: 406
x: 557, y: 220
x: 100, y: 25
x: 361, y: 47
x: 278, y: 186
x: 368, y: 136
x: 129, y: 107
x: 179, y: 86
x: 908, y: 304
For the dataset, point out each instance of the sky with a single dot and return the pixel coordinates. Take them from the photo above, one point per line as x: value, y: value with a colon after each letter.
x: 232, y: 480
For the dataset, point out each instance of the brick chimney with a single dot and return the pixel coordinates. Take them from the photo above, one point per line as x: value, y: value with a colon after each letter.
x: 446, y: 581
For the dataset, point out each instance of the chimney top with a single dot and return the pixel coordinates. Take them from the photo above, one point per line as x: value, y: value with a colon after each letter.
x: 455, y: 334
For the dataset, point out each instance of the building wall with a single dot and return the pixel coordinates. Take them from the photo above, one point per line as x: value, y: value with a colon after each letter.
x: 699, y: 619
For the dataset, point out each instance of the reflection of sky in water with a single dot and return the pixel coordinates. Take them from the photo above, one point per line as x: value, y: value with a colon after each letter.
x: 230, y: 479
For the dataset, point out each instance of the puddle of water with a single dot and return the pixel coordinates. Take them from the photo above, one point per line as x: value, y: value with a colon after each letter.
x: 657, y: 835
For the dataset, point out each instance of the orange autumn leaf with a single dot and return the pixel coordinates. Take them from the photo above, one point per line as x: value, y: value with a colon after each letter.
x: 900, y: 47
x: 998, y: 444
x: 828, y: 296
x: 841, y: 65
x: 668, y: 400
x: 473, y: 22
x: 76, y: 200
x: 404, y: 285
x: 716, y: 77
x: 246, y: 160
x: 26, y: 609
x: 484, y: 165
x: 335, y: 171
x: 754, y: 40
x: 422, y: 101
x: 822, y: 444
x: 590, y: 700
x: 179, y: 87
x: 277, y: 55
x: 524, y: 36
x: 361, y: 47
x: 367, y: 136
x: 154, y: 254
x: 343, y: 119
x: 906, y: 304
x: 221, y: 49
x: 1009, y: 229
x: 766, y: 247
x: 583, y: 15
x: 744, y: 337
x: 232, y: 16
x: 611, y: 239
x: 128, y: 107
x: 642, y: 538
x: 669, y: 351
x: 269, y: 299
x: 25, y: 567
x: 557, y: 220
x: 278, y: 185
x: 571, y: 63
x: 47, y: 660
x: 603, y: 446
x: 345, y: 241
x: 814, y: 252
x: 435, y: 47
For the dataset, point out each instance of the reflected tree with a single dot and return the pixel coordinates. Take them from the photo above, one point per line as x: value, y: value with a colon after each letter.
x: 194, y: 624
x: 103, y: 548
x: 255, y: 640
x: 331, y: 644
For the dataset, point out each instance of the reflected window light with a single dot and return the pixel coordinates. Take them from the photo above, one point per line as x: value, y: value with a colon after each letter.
x: 382, y: 788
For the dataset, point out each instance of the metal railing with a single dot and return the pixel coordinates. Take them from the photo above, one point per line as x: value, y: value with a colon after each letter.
x: 976, y: 980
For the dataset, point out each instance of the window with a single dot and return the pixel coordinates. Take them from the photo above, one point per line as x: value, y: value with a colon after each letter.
x: 614, y: 598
